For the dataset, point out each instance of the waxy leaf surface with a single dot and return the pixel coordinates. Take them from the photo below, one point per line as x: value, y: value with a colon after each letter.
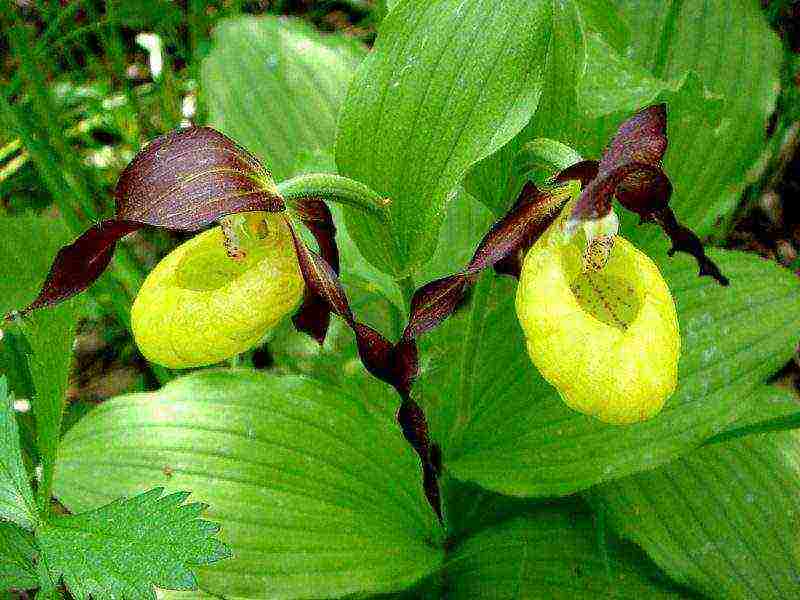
x: 315, y: 489
x: 448, y: 83
x: 723, y: 520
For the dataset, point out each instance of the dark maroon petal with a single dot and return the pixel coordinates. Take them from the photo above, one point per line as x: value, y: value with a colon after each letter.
x: 78, y: 265
x: 531, y: 215
x: 433, y: 303
x: 584, y: 171
x: 511, y: 265
x: 512, y: 235
x: 684, y: 240
x: 189, y: 178
x: 651, y: 191
x: 415, y: 429
x: 642, y: 139
x: 321, y: 279
x: 317, y: 218
x: 314, y: 317
x: 395, y: 364
x: 645, y: 192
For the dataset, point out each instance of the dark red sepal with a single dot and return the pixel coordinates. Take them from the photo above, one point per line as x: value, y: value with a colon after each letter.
x: 78, y: 265
x: 189, y: 178
x: 314, y: 316
x: 584, y: 171
x: 630, y: 170
x: 185, y: 180
x: 684, y: 240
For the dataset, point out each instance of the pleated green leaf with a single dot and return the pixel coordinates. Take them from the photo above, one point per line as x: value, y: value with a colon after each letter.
x: 550, y: 554
x: 316, y: 491
x: 275, y: 85
x: 27, y: 245
x: 17, y: 551
x: 494, y: 180
x: 724, y: 519
x: 448, y: 83
x: 16, y: 497
x: 505, y: 428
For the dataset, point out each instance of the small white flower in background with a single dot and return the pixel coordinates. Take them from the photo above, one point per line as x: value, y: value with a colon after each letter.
x: 152, y: 43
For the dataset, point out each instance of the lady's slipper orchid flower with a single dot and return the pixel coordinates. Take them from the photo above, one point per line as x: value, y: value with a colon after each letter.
x: 598, y: 317
x: 196, y: 307
x: 603, y: 331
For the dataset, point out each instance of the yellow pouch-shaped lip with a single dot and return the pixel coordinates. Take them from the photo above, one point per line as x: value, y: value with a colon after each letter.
x: 607, y: 341
x: 199, y: 306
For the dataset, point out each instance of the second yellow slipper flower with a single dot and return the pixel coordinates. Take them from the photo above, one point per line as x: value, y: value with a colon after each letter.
x: 605, y: 334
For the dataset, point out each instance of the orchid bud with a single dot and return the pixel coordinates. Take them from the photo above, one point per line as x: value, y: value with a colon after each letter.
x: 219, y: 293
x: 603, y: 331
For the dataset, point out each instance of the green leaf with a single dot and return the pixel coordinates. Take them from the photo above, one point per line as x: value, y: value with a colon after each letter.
x: 27, y: 246
x: 275, y: 85
x: 724, y: 519
x: 316, y: 490
x: 124, y: 548
x: 505, y: 428
x: 16, y: 497
x: 17, y: 551
x: 447, y: 84
x: 550, y: 554
x: 774, y: 409
x: 614, y: 83
x: 730, y: 46
x: 605, y: 18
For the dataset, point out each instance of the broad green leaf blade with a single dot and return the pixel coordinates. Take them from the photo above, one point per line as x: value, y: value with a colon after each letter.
x: 614, y: 83
x: 729, y: 44
x: 124, y: 548
x: 494, y: 180
x: 27, y: 245
x: 550, y: 554
x: 16, y: 497
x: 513, y: 434
x: 447, y: 84
x: 275, y: 86
x: 774, y: 409
x: 723, y: 520
x: 605, y: 17
x: 317, y: 493
x: 17, y: 551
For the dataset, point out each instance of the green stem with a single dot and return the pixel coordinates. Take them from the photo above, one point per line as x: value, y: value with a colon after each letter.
x: 336, y: 189
x: 408, y: 288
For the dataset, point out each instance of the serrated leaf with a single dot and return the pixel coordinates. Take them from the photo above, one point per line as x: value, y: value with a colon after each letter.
x: 317, y: 493
x: 724, y: 519
x: 275, y: 85
x: 549, y: 554
x: 447, y: 84
x: 17, y: 552
x: 124, y: 548
x: 16, y: 496
x: 505, y: 428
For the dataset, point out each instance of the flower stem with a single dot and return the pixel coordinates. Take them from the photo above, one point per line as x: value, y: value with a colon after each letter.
x: 335, y: 188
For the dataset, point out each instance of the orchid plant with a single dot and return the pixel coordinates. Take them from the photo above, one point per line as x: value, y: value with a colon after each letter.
x: 402, y: 462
